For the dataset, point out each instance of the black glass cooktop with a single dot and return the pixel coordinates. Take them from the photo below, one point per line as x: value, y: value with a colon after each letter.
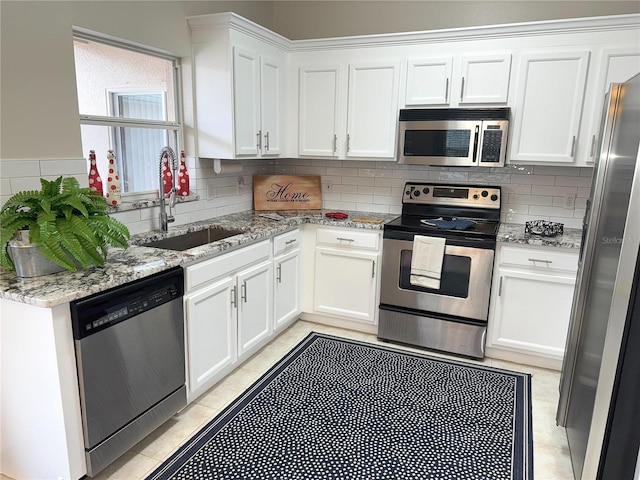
x: 413, y: 224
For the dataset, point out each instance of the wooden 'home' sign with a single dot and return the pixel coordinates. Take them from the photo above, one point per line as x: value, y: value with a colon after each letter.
x: 287, y: 192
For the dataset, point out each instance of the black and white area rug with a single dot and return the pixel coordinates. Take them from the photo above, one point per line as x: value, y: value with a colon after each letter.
x: 334, y: 408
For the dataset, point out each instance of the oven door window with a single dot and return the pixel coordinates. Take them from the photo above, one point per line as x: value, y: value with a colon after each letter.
x: 454, y: 279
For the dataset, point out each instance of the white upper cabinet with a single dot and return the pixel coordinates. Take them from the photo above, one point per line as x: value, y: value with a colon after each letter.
x: 616, y: 65
x: 372, y: 112
x: 239, y: 88
x: 475, y: 79
x: 319, y: 110
x: 360, y: 124
x: 246, y: 100
x: 428, y: 81
x: 550, y: 94
x: 485, y: 78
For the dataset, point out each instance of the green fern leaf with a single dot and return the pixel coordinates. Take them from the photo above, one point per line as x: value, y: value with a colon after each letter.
x: 52, y: 250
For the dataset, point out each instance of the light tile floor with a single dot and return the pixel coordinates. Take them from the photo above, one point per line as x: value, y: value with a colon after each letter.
x: 551, y: 454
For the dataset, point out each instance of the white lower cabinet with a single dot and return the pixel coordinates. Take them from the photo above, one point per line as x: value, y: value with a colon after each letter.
x: 211, y: 333
x: 228, y: 313
x: 286, y: 279
x: 531, y: 304
x: 254, y: 307
x: 346, y: 274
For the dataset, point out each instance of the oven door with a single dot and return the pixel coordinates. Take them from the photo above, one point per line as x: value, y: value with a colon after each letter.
x: 465, y: 284
x: 449, y: 143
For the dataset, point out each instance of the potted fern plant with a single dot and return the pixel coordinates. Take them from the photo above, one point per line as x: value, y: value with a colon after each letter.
x: 65, y: 223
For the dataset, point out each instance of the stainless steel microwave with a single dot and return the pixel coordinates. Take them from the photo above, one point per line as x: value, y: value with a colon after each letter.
x: 456, y: 137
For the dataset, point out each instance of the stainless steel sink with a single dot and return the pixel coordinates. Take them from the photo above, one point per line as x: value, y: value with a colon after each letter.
x: 193, y: 239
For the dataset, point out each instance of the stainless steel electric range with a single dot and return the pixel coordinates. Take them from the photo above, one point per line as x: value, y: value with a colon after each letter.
x: 450, y: 316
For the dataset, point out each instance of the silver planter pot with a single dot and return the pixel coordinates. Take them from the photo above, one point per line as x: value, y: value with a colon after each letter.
x: 27, y: 259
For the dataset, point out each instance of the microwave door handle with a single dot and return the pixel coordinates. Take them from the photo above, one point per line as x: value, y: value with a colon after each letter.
x: 475, y: 143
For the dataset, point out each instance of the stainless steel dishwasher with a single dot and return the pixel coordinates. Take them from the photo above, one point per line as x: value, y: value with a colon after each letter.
x: 130, y: 354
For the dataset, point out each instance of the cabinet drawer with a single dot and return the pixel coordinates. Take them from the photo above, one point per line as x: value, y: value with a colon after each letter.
x: 347, y: 238
x: 539, y: 258
x: 208, y: 270
x: 286, y: 241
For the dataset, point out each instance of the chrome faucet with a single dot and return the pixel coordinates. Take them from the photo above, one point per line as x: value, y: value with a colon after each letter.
x: 166, y: 218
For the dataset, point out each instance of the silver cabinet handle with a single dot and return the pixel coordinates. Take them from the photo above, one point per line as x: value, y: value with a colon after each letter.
x: 548, y: 262
x: 500, y: 287
x: 446, y: 91
x: 335, y: 143
x: 259, y: 144
x: 279, y: 273
x: 289, y: 242
x: 266, y: 142
x: 348, y: 142
x: 462, y: 89
x: 593, y: 146
x: 373, y: 269
x: 345, y: 239
x: 234, y: 296
x: 243, y: 292
x: 573, y: 145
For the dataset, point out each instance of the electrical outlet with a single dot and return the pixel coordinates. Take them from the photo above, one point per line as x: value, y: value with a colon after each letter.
x: 569, y: 200
x: 241, y: 187
x: 327, y: 187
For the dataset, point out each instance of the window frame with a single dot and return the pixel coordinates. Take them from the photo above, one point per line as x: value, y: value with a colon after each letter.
x: 174, y: 128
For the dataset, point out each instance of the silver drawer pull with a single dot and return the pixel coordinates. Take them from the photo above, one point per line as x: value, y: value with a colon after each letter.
x: 541, y: 261
x: 345, y: 239
x: 234, y: 296
x: 289, y: 242
x: 279, y: 273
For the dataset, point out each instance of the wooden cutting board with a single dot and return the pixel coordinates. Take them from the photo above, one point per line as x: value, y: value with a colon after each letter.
x: 287, y: 192
x: 367, y: 220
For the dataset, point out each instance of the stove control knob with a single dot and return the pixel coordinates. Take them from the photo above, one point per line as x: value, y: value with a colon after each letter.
x: 408, y: 192
x: 476, y: 196
x: 425, y: 190
x: 485, y: 193
x: 494, y: 197
x: 416, y: 193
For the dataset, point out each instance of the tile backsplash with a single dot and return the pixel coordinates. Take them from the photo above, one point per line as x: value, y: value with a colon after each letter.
x: 529, y: 192
x: 558, y: 194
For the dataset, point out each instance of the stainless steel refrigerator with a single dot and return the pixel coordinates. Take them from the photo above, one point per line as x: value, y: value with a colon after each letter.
x: 600, y: 383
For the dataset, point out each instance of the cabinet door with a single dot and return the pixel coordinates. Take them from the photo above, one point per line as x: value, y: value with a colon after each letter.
x: 210, y: 324
x: 286, y: 288
x: 550, y: 93
x: 345, y: 284
x: 271, y: 74
x: 319, y: 110
x: 485, y: 78
x: 246, y: 98
x: 617, y: 65
x: 372, y: 111
x: 428, y: 81
x: 532, y: 312
x: 254, y: 306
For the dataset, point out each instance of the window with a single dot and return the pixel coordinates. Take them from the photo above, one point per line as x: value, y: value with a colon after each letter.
x: 128, y: 102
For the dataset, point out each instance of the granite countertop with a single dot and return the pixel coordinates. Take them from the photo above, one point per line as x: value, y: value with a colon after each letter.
x: 514, y: 233
x: 123, y: 266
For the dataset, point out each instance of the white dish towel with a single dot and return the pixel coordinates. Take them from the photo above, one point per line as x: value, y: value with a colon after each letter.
x: 426, y: 261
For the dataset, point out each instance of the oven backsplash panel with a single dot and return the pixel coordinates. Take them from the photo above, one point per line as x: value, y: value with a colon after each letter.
x: 528, y: 192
